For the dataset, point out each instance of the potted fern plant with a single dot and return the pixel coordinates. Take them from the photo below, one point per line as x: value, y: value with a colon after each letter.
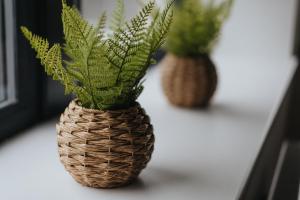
x: 105, y: 138
x: 189, y: 75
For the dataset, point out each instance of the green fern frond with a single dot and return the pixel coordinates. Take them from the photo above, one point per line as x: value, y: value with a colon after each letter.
x: 50, y: 58
x: 117, y: 16
x: 162, y: 25
x: 103, y: 71
x: 154, y: 36
x: 101, y: 25
x: 126, y: 42
x: 52, y: 61
x: 196, y: 26
x: 77, y: 31
x: 40, y: 45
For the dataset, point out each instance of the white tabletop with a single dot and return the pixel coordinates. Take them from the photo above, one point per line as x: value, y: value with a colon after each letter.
x: 199, y: 154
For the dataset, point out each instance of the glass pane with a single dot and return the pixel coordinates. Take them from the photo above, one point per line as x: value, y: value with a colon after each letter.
x: 2, y: 70
x: 7, y: 58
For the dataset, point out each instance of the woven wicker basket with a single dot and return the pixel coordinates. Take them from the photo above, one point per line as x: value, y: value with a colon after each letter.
x: 188, y: 82
x: 104, y: 149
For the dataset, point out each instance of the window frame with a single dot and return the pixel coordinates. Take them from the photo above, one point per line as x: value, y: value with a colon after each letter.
x: 297, y: 33
x: 22, y: 112
x: 32, y: 85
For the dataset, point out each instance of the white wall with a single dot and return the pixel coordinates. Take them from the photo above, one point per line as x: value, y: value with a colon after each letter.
x: 262, y: 28
x: 92, y: 9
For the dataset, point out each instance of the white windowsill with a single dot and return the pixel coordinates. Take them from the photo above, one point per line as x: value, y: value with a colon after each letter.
x: 199, y: 154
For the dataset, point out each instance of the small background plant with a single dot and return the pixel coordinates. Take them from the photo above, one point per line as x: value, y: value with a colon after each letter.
x: 104, y: 71
x: 196, y: 26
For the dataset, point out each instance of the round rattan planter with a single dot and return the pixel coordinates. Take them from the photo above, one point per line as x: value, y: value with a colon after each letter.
x: 188, y: 82
x: 104, y: 149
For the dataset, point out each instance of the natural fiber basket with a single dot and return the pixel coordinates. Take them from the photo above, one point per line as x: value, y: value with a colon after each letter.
x: 104, y: 149
x: 187, y: 81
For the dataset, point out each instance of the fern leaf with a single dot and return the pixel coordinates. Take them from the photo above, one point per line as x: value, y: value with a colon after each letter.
x: 126, y: 42
x: 101, y: 25
x: 118, y: 16
x: 51, y: 60
x: 161, y: 26
x: 40, y: 45
x: 196, y: 26
x: 77, y: 30
x: 81, y: 39
x: 154, y: 37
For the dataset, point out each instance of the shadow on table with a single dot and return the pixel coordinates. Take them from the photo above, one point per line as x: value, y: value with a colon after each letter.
x: 232, y: 111
x: 157, y: 177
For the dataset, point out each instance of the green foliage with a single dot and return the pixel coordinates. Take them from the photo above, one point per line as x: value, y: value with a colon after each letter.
x: 118, y: 16
x: 104, y: 71
x: 196, y: 26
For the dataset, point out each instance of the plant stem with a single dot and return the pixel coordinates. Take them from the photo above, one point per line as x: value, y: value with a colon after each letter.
x: 89, y: 75
x: 122, y: 64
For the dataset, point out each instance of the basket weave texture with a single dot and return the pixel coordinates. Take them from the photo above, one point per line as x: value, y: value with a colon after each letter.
x: 104, y: 149
x: 188, y: 82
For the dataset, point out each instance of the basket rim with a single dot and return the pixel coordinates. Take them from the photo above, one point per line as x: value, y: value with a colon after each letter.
x: 135, y: 106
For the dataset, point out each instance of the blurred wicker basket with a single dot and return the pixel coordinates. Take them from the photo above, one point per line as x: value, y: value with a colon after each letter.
x: 104, y: 149
x: 188, y: 82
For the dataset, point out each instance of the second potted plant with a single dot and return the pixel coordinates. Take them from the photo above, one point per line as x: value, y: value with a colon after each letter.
x: 105, y: 138
x: 189, y: 76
